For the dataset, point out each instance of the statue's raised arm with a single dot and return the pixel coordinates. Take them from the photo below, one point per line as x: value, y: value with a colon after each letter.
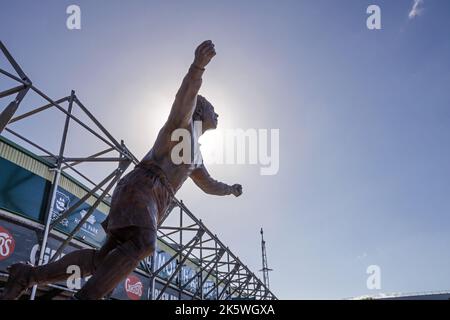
x: 184, y: 105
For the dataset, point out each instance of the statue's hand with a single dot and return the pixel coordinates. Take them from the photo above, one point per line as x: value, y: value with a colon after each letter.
x: 204, y: 53
x: 236, y: 189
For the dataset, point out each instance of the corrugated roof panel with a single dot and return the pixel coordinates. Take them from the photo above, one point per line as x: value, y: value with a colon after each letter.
x: 19, y: 158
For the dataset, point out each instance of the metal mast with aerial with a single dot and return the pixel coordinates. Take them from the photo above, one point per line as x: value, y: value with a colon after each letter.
x: 265, y: 269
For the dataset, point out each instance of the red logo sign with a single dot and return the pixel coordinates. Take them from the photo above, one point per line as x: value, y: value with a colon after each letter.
x: 133, y: 287
x: 7, y: 244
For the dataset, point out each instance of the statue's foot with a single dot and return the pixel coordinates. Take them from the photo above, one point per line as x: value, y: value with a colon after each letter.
x: 18, y: 281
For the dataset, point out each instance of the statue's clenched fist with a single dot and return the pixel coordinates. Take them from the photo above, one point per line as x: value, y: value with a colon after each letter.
x: 236, y: 190
x: 204, y: 53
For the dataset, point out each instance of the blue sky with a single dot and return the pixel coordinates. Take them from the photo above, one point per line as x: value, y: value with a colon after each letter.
x: 363, y: 116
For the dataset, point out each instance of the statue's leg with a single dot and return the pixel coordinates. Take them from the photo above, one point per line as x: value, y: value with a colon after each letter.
x: 119, y: 263
x: 22, y: 276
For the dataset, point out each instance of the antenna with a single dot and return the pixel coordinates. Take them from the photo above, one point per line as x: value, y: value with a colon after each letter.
x: 265, y: 269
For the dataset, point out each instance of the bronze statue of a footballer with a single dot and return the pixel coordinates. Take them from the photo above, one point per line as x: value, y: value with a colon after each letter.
x: 139, y: 200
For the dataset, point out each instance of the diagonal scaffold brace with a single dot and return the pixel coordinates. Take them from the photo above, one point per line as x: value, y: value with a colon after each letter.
x: 8, y: 113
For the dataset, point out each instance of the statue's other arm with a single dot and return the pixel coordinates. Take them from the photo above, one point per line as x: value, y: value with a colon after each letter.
x: 204, y: 181
x: 185, y: 100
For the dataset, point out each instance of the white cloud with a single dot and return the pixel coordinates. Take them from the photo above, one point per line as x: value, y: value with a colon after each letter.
x: 416, y: 9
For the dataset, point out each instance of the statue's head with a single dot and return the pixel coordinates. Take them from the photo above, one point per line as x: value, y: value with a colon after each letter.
x: 204, y: 111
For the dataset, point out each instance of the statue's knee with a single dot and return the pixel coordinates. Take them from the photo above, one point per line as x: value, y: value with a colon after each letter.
x: 145, y: 245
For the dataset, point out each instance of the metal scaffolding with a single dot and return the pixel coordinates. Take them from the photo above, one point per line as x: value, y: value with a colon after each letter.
x: 189, y: 237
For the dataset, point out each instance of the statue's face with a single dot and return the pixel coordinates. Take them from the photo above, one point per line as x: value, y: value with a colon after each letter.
x: 209, y: 117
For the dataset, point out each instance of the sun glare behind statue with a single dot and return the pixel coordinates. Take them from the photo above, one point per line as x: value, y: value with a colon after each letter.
x: 212, y: 143
x: 155, y: 109
x: 156, y: 112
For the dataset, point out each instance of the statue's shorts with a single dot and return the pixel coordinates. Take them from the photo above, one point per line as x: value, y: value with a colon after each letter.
x: 140, y: 199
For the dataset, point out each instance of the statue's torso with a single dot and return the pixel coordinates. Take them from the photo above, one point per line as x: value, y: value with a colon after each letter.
x: 160, y: 154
